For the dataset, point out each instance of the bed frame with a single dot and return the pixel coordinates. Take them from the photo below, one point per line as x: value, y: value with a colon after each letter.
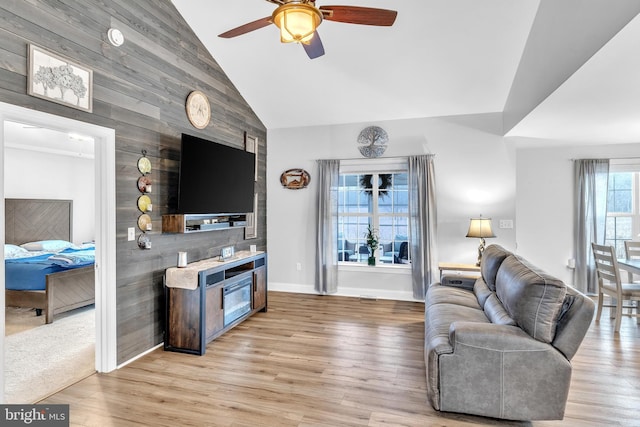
x: 29, y: 220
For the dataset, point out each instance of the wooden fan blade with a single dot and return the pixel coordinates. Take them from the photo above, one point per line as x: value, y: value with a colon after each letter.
x: 359, y: 15
x: 315, y: 48
x: 246, y: 28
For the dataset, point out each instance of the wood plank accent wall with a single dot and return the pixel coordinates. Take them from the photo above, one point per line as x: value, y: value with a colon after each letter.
x: 139, y: 90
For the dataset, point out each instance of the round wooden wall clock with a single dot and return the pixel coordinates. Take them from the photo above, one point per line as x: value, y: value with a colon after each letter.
x: 198, y: 109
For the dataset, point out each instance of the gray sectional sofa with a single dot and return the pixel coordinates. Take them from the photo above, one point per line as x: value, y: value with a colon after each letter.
x: 502, y: 347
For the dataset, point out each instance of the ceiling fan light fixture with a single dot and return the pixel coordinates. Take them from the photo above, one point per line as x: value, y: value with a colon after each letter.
x: 297, y: 22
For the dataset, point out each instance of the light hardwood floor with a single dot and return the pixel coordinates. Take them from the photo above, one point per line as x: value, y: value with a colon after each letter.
x: 333, y: 361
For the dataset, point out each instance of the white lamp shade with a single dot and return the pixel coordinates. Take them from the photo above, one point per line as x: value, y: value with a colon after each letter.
x: 480, y: 228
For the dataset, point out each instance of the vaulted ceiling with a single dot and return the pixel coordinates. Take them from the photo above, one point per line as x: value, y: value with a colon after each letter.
x: 567, y: 70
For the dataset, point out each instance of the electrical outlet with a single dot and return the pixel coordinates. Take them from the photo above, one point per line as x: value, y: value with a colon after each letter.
x: 506, y: 223
x: 131, y: 233
x: 299, y: 266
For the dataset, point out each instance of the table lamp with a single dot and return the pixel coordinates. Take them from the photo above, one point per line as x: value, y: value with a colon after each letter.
x: 480, y: 228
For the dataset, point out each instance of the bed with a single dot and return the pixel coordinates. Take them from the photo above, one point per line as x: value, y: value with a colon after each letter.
x: 51, y: 277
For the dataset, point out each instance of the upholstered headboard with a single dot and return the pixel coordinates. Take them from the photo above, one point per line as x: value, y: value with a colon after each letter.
x: 30, y: 220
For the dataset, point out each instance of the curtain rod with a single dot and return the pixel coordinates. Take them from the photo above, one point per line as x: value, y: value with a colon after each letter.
x: 382, y: 158
x: 607, y: 158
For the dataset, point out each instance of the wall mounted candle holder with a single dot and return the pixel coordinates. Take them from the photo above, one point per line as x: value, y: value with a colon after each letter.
x: 144, y: 204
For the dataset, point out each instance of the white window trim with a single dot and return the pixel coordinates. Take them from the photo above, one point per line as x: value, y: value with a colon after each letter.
x: 374, y: 165
x: 404, y: 269
x: 633, y: 166
x: 365, y: 166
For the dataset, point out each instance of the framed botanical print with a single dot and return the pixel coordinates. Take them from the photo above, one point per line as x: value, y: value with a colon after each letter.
x: 58, y: 79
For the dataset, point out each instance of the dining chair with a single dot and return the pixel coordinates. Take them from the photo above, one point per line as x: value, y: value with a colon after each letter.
x: 609, y: 283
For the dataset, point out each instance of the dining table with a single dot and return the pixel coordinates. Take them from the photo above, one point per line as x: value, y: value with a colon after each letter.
x: 631, y: 265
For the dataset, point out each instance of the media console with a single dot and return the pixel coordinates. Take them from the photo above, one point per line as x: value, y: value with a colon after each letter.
x: 209, y: 297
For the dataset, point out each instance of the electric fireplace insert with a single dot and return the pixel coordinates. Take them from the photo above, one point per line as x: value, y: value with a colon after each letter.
x: 237, y: 300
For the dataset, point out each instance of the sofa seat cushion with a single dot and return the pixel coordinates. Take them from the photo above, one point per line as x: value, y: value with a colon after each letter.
x: 438, y: 294
x: 532, y: 297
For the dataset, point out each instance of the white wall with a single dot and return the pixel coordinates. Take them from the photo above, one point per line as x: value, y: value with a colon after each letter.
x: 475, y: 174
x: 545, y: 199
x: 35, y: 175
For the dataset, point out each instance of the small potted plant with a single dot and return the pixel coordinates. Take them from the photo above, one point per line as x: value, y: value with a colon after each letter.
x: 373, y: 242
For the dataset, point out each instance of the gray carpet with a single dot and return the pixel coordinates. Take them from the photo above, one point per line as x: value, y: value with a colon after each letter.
x: 48, y: 358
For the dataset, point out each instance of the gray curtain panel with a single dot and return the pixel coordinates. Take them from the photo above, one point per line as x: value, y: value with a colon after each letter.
x: 422, y: 223
x: 590, y: 217
x: 327, y: 227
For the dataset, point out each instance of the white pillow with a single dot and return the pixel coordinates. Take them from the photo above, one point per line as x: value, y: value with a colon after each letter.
x: 47, y: 245
x: 12, y: 250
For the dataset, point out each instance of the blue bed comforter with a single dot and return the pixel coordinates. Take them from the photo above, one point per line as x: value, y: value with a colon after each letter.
x: 29, y: 272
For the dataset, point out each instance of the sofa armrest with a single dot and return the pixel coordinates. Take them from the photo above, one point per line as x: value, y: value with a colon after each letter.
x: 459, y: 281
x: 500, y: 371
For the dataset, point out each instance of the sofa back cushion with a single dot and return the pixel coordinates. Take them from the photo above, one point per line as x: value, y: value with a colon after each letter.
x: 492, y: 257
x: 531, y: 297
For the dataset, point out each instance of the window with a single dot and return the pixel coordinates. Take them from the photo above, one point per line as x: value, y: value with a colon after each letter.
x: 623, y: 212
x: 379, y: 199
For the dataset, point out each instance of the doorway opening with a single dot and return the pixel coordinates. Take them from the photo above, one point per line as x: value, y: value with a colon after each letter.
x: 104, y: 196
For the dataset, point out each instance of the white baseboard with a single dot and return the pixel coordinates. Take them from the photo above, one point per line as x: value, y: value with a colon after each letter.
x: 346, y: 292
x: 133, y: 359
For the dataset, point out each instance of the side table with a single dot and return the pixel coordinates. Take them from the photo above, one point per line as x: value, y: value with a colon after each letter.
x: 450, y: 266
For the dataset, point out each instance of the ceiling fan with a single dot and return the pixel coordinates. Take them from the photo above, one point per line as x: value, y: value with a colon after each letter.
x: 298, y: 20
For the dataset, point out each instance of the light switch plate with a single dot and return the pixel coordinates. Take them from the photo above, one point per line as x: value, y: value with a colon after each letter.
x: 131, y: 233
x: 506, y: 223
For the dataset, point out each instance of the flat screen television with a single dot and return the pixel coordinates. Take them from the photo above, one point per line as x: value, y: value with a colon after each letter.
x: 214, y: 178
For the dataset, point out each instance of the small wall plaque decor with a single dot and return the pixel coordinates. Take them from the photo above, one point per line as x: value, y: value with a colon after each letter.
x: 144, y: 165
x: 295, y: 179
x: 144, y: 222
x: 372, y: 141
x: 144, y: 242
x: 58, y: 79
x: 144, y: 203
x: 144, y: 184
